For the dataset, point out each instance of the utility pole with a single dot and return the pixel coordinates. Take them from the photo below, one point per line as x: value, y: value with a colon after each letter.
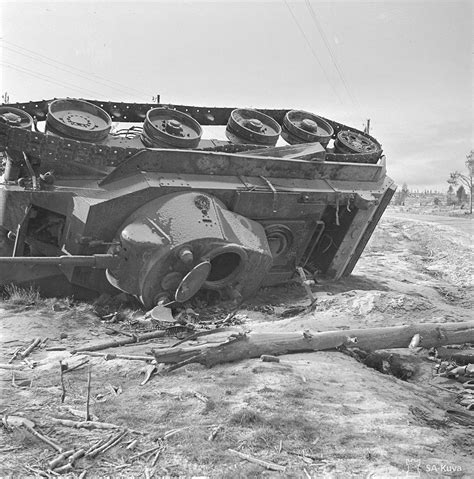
x: 367, y: 127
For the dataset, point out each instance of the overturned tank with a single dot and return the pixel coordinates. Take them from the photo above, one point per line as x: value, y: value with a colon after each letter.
x: 157, y: 211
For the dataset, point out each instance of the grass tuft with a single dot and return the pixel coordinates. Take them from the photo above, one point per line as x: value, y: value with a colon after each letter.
x: 246, y: 418
x: 21, y: 296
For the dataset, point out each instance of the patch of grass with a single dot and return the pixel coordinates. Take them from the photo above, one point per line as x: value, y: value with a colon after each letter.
x: 21, y: 296
x: 246, y: 418
x: 25, y: 438
x: 298, y: 426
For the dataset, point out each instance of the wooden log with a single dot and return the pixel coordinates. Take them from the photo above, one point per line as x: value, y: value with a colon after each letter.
x: 43, y: 438
x: 460, y: 356
x: 61, y: 458
x: 267, y: 465
x: 401, y: 363
x: 30, y: 348
x: 88, y: 398
x: 114, y: 343
x: 85, y: 424
x: 110, y: 356
x: 253, y: 345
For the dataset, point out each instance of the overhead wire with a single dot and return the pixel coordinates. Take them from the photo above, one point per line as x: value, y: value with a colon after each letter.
x: 90, y: 76
x: 59, y: 68
x: 333, y: 57
x: 49, y: 79
x: 314, y: 53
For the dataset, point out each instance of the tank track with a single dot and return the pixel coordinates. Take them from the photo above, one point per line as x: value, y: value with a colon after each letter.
x: 41, y: 145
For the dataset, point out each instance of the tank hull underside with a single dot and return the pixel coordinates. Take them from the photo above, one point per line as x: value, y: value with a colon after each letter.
x: 252, y: 217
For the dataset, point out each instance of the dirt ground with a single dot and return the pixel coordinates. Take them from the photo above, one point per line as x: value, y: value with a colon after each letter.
x: 320, y: 414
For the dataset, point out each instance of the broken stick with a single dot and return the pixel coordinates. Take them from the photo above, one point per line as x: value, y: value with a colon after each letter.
x: 267, y: 465
x: 30, y: 348
x: 89, y: 379
x: 45, y: 439
x: 109, y: 356
x: 59, y: 459
x: 85, y: 424
x: 63, y: 387
x: 121, y: 342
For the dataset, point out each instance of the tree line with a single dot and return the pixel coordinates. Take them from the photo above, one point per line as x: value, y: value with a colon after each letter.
x: 459, y: 192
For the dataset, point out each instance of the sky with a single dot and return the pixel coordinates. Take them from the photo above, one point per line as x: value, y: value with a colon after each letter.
x: 405, y: 64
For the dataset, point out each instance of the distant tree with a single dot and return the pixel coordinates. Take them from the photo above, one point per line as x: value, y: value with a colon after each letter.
x: 465, y: 179
x: 402, y: 195
x: 461, y: 195
x: 5, y: 98
x: 437, y: 201
x: 450, y: 196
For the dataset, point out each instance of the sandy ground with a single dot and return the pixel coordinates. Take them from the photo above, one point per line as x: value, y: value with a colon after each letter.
x: 317, y: 414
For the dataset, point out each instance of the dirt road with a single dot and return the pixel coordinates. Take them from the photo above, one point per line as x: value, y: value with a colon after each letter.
x: 460, y: 223
x: 315, y: 415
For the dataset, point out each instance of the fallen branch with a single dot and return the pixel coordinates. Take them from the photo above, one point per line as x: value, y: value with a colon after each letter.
x: 30, y: 348
x: 114, y: 440
x: 14, y: 355
x: 198, y: 334
x: 85, y: 424
x: 43, y: 438
x: 214, y: 432
x: 460, y: 356
x: 10, y: 367
x: 155, y: 458
x: 141, y: 339
x: 63, y: 469
x: 109, y: 356
x: 88, y: 399
x: 254, y: 345
x: 61, y: 458
x: 147, y: 451
x: 267, y: 465
x: 63, y: 387
x: 121, y: 342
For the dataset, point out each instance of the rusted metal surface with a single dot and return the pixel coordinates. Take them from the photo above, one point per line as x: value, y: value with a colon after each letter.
x: 167, y: 128
x: 158, y: 212
x: 303, y: 127
x: 78, y: 119
x: 252, y: 127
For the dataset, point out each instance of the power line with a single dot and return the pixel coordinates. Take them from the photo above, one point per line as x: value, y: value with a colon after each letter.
x: 313, y: 52
x: 60, y: 68
x: 48, y: 78
x: 90, y: 76
x: 333, y: 58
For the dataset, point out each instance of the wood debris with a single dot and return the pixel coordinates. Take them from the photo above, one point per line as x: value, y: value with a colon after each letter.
x: 252, y: 345
x: 85, y: 424
x: 267, y: 465
x: 36, y: 342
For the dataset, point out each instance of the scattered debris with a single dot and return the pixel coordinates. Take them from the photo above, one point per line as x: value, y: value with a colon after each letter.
x: 121, y: 342
x: 149, y: 371
x: 267, y: 465
x: 89, y: 381
x: 214, y: 432
x: 415, y: 341
x: 85, y: 424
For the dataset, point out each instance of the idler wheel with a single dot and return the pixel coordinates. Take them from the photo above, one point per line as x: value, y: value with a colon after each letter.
x: 15, y: 117
x: 303, y: 127
x: 251, y: 126
x: 349, y: 141
x: 167, y: 128
x: 78, y: 119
